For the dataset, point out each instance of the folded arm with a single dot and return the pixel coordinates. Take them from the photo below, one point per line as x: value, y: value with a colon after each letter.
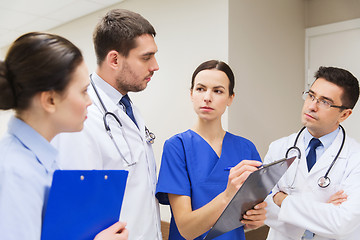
x: 336, y: 218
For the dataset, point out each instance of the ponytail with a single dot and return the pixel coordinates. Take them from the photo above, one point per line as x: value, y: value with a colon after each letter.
x: 7, y: 89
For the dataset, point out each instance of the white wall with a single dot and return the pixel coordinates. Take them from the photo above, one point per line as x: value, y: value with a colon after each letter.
x: 2, y: 53
x: 321, y: 12
x: 266, y: 50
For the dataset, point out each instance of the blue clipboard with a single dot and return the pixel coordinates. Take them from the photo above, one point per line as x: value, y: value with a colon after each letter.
x: 253, y: 191
x: 82, y: 203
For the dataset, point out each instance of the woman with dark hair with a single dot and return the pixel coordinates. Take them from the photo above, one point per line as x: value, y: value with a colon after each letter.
x: 195, y: 176
x: 44, y: 79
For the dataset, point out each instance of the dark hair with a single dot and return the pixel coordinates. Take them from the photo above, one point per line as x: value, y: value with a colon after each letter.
x: 345, y: 80
x: 117, y: 31
x: 219, y: 65
x: 36, y: 62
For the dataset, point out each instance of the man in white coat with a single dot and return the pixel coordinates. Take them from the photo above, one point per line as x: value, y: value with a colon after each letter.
x: 125, y: 50
x: 304, y: 204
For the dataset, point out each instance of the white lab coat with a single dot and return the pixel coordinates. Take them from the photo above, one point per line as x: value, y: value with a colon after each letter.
x: 92, y: 148
x: 306, y: 207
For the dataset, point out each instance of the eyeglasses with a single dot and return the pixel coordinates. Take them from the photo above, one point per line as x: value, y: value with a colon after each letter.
x: 322, y: 103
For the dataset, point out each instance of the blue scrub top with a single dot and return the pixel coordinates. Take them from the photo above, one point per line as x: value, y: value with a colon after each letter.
x: 190, y: 167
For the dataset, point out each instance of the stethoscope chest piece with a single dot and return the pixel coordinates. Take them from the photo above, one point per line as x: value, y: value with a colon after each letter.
x: 150, y: 137
x: 324, y: 181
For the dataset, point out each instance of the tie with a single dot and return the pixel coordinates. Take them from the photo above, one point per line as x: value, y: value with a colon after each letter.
x: 311, y: 157
x: 126, y: 101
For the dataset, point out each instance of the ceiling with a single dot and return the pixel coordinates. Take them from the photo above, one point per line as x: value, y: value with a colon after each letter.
x: 20, y: 16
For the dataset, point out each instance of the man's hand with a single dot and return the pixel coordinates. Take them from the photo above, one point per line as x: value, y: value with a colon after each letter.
x: 279, y: 197
x: 255, y: 217
x: 338, y: 198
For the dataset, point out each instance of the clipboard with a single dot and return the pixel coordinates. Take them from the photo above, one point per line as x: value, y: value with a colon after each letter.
x: 253, y: 191
x: 82, y: 203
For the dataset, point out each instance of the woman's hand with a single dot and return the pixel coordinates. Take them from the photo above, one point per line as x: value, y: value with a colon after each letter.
x: 254, y: 218
x: 117, y: 231
x: 239, y: 174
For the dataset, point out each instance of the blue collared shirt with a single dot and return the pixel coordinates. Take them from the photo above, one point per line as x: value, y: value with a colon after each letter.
x: 325, y: 140
x: 27, y: 164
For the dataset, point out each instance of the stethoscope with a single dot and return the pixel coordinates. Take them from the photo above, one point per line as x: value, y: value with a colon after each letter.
x: 150, y: 137
x: 323, y: 181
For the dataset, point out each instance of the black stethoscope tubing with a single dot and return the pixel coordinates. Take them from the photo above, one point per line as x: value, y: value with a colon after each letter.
x: 323, y: 181
x: 150, y: 137
x: 106, y: 112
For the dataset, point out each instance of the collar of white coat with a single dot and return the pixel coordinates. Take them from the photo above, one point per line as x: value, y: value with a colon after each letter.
x: 110, y: 97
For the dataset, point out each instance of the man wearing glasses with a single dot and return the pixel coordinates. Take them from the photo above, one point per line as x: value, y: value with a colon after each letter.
x: 319, y: 195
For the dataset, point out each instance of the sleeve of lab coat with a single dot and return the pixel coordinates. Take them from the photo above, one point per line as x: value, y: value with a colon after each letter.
x: 325, y: 219
x: 290, y: 230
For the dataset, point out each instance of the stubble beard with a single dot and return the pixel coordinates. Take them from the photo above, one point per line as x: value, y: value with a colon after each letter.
x: 127, y: 81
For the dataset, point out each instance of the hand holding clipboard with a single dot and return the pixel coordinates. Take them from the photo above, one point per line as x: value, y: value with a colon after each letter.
x: 253, y: 191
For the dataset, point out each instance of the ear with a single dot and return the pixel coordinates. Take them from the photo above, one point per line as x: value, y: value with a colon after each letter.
x: 231, y: 98
x: 48, y: 101
x: 114, y: 59
x: 344, y: 115
x: 191, y: 95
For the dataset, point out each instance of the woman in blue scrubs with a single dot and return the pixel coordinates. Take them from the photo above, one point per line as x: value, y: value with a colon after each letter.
x: 44, y: 79
x: 203, y: 167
